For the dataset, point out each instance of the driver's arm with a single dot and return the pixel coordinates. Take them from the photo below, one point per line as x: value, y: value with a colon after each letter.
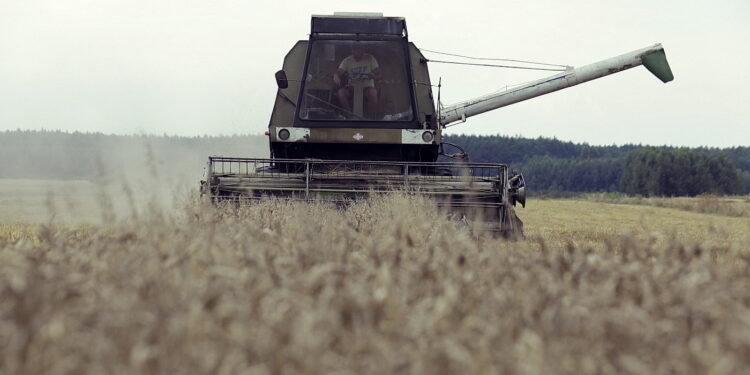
x: 337, y: 76
x: 374, y: 68
x: 376, y: 74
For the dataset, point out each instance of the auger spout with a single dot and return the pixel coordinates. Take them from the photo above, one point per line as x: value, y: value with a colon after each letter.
x: 653, y: 58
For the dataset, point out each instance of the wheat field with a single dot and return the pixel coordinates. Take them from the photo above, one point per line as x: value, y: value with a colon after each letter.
x: 387, y: 286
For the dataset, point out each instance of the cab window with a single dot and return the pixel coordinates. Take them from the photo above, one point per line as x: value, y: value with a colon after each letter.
x: 356, y: 81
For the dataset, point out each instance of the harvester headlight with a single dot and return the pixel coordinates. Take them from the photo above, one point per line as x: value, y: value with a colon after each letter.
x: 427, y: 137
x: 283, y: 134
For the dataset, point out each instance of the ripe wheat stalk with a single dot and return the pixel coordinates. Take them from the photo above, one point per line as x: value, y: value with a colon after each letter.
x: 385, y: 286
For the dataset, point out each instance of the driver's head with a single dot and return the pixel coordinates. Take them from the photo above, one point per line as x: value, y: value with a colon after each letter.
x: 357, y: 51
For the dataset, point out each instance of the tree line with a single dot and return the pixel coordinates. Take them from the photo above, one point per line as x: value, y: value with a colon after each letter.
x: 679, y: 172
x: 548, y: 164
x: 554, y: 166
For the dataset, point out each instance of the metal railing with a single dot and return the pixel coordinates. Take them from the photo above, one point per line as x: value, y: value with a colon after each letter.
x: 334, y: 180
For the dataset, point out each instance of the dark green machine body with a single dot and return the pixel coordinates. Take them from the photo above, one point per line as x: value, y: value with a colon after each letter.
x: 354, y: 115
x: 320, y: 126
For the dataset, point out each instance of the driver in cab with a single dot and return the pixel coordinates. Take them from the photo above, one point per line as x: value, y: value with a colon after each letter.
x: 361, y: 69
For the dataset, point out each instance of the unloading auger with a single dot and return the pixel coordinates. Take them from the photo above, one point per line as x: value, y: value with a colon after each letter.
x: 355, y: 115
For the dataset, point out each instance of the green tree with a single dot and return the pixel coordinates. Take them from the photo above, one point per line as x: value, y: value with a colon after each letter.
x: 652, y: 171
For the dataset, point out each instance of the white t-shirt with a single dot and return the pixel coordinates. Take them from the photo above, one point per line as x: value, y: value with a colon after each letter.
x: 359, y: 70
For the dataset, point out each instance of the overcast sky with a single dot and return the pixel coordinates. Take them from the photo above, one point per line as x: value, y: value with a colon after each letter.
x: 206, y: 67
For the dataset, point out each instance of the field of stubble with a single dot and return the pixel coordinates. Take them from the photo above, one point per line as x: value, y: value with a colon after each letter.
x: 387, y: 286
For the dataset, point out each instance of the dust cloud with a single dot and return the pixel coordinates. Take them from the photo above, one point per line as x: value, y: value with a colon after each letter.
x: 91, y: 178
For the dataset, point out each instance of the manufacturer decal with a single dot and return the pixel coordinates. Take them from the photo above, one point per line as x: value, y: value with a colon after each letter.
x: 358, y: 137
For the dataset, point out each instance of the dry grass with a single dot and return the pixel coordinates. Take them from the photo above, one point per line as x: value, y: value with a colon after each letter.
x: 387, y: 286
x: 586, y: 223
x: 17, y: 232
x: 29, y: 200
x: 706, y: 203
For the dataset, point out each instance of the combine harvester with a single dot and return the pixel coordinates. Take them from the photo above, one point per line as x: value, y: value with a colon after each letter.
x: 355, y: 115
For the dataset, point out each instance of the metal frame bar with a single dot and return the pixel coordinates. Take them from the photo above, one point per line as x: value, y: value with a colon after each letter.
x: 472, y: 184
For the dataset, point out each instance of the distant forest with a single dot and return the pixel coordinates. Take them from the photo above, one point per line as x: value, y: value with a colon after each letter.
x: 548, y: 165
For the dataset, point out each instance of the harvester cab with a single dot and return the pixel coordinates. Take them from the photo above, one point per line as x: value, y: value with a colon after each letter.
x: 356, y: 90
x: 354, y: 115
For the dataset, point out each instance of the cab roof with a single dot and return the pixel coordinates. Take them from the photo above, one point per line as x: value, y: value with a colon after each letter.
x: 358, y: 23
